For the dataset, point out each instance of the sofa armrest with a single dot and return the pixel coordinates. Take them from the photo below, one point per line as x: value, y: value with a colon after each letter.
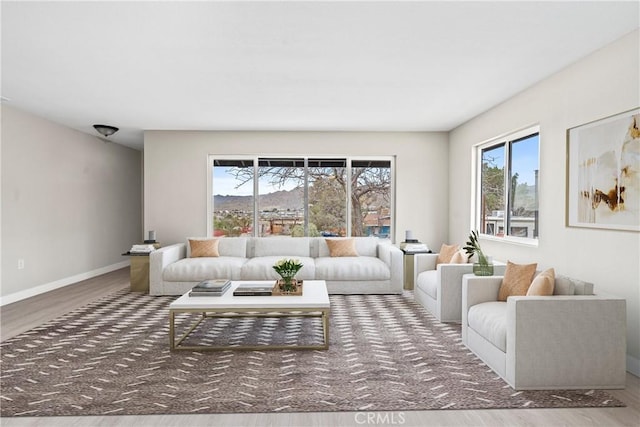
x: 479, y: 289
x: 476, y: 290
x: 450, y: 290
x: 555, y: 341
x: 392, y: 256
x: 423, y: 262
x: 158, y: 260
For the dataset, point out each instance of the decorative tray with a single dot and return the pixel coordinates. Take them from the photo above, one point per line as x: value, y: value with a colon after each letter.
x: 276, y: 289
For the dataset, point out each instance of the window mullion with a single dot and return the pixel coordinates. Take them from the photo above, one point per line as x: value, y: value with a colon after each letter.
x: 256, y: 196
x: 306, y: 196
x: 479, y: 214
x: 348, y: 195
x: 507, y: 187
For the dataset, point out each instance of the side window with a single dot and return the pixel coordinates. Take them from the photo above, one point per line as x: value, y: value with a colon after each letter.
x: 508, y: 191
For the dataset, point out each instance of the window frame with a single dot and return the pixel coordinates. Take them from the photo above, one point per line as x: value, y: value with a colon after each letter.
x: 211, y: 158
x: 505, y: 140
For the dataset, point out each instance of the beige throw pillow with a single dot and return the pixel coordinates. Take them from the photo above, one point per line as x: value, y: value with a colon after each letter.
x: 341, y: 247
x: 516, y: 281
x: 459, y: 258
x: 446, y: 253
x: 204, y: 248
x: 543, y: 283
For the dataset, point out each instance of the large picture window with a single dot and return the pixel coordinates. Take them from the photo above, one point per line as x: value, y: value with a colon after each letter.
x: 508, y: 186
x: 301, y: 196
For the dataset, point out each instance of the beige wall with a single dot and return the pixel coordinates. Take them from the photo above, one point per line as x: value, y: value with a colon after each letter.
x: 600, y: 85
x: 71, y: 204
x: 176, y: 174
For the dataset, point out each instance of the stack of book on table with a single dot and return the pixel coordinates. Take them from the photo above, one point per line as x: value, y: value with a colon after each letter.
x: 210, y: 288
x: 142, y: 249
x: 252, y: 289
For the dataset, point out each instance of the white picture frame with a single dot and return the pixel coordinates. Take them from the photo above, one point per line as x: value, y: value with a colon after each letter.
x: 603, y: 173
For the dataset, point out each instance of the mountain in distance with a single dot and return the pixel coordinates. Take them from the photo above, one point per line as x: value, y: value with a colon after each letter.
x: 280, y: 200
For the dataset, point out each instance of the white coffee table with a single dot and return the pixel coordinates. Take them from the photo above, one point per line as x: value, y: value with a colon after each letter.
x: 314, y: 302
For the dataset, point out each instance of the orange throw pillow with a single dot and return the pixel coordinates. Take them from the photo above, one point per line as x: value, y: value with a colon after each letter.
x: 204, y: 248
x: 446, y: 253
x: 341, y: 247
x: 516, y: 281
x: 543, y: 283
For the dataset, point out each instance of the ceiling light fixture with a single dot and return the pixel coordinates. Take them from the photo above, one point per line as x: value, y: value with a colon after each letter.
x: 105, y: 130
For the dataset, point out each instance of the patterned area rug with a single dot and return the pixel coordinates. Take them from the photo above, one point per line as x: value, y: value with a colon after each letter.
x: 386, y: 354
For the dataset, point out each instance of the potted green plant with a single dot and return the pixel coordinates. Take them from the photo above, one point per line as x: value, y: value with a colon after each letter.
x: 287, y: 269
x: 482, y: 267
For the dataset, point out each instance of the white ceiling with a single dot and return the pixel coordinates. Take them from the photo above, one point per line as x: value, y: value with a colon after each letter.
x: 377, y: 66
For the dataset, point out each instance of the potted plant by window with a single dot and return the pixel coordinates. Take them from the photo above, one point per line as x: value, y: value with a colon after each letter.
x: 481, y: 267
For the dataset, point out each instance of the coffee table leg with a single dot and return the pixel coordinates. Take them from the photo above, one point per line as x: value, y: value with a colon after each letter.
x: 325, y: 327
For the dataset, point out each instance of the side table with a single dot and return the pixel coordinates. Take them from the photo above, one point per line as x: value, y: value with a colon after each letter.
x: 139, y: 271
x: 408, y: 262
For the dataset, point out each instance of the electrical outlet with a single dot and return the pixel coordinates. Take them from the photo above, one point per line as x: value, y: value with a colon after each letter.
x: 20, y: 264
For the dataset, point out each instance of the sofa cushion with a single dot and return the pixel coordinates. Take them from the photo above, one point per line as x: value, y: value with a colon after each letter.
x: 365, y: 246
x: 198, y: 269
x: 489, y: 319
x: 204, y: 248
x: 582, y: 288
x: 428, y: 282
x: 227, y: 246
x: 568, y: 286
x: 261, y: 268
x: 233, y: 246
x: 285, y: 247
x: 563, y: 286
x: 543, y: 283
x: 351, y: 268
x: 446, y: 253
x: 516, y: 280
x: 341, y: 247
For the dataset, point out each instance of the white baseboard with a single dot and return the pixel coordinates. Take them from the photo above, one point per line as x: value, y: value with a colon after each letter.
x: 37, y: 290
x: 633, y: 365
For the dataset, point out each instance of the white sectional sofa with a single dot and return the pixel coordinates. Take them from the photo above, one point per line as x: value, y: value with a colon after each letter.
x: 570, y: 340
x: 378, y: 268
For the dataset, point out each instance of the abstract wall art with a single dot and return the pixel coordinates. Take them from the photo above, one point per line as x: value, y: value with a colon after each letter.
x: 603, y: 185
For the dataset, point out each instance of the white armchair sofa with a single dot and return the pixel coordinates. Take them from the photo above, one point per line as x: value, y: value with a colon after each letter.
x: 571, y: 340
x: 439, y: 288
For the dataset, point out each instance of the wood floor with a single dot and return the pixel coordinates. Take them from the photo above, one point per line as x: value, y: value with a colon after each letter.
x: 24, y: 315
